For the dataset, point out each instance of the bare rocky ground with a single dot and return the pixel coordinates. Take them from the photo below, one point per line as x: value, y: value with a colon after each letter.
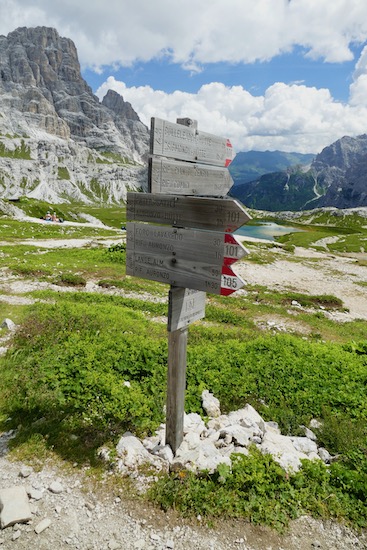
x: 313, y: 272
x: 84, y: 517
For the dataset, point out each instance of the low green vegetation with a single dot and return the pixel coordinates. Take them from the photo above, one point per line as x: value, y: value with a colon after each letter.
x: 109, y: 157
x: 259, y: 490
x: 336, y: 231
x: 111, y: 216
x: 63, y: 173
x: 11, y: 230
x: 66, y: 372
x: 20, y: 152
x: 87, y: 262
x: 63, y: 380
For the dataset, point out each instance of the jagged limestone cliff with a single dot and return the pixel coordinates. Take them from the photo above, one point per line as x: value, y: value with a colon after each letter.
x: 57, y: 141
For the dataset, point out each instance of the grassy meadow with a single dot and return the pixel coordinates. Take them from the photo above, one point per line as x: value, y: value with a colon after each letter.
x: 62, y: 378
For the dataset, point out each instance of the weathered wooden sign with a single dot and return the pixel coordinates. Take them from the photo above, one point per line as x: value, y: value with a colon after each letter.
x: 181, y: 142
x: 187, y: 258
x: 185, y: 305
x: 181, y: 211
x: 194, y: 251
x: 187, y: 178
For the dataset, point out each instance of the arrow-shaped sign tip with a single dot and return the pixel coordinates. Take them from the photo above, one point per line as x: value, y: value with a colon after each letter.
x: 230, y: 282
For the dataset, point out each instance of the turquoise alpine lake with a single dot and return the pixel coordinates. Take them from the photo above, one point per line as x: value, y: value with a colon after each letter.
x: 265, y: 230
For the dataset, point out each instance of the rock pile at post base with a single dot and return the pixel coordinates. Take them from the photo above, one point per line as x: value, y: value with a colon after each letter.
x: 206, y: 445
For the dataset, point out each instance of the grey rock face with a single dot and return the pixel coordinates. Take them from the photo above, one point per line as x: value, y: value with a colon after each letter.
x: 57, y: 140
x: 341, y: 169
x: 336, y: 178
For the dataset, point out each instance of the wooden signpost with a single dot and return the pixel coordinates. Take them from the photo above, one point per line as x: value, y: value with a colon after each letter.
x: 188, y: 243
x: 187, y: 258
x: 182, y: 211
x: 188, y: 178
x: 185, y: 142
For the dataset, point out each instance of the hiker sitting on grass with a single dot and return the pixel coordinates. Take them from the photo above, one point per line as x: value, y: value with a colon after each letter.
x: 52, y: 218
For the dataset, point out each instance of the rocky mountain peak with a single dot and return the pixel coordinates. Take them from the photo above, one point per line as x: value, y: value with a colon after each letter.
x: 343, y: 153
x: 40, y: 57
x: 116, y: 103
x: 49, y: 112
x: 40, y: 77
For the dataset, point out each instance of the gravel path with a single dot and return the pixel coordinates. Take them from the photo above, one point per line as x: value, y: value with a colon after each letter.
x: 82, y: 518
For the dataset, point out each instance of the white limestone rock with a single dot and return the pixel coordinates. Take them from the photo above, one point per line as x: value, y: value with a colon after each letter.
x: 8, y: 324
x: 42, y: 526
x: 192, y: 440
x: 204, y: 457
x: 272, y: 426
x: 211, y: 404
x: 152, y: 442
x: 14, y: 506
x: 282, y: 450
x: 304, y: 445
x: 56, y: 488
x: 310, y: 434
x: 25, y: 471
x: 194, y: 423
x: 324, y: 455
x: 238, y: 434
x: 247, y: 417
x: 133, y: 454
x: 165, y: 453
x: 315, y: 424
x: 219, y: 422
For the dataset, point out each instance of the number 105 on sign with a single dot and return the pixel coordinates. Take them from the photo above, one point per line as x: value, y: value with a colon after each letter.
x: 230, y: 282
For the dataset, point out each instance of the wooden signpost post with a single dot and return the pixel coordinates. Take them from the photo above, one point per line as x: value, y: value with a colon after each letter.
x: 188, y: 242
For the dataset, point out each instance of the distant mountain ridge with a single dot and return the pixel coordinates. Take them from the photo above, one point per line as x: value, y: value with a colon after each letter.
x: 57, y: 141
x: 251, y: 165
x: 336, y: 177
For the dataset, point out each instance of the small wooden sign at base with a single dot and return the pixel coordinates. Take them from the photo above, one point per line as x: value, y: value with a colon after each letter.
x: 185, y: 306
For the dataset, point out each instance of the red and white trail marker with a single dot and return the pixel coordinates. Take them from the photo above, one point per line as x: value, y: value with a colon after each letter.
x: 230, y: 282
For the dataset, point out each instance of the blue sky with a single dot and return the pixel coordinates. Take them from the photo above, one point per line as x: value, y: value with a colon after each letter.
x: 255, y: 77
x: 268, y: 74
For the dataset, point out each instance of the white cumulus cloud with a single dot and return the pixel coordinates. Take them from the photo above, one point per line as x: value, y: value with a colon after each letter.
x: 191, y: 33
x: 194, y: 34
x: 287, y: 117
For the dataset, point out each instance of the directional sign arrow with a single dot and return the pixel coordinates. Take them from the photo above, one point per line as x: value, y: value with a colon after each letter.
x: 181, y: 142
x: 188, y: 178
x: 230, y: 281
x: 186, y: 258
x: 181, y: 211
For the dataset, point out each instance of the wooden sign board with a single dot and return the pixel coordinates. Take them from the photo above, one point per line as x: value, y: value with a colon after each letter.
x: 185, y: 305
x: 180, y: 211
x: 187, y: 258
x: 187, y: 178
x: 181, y: 142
